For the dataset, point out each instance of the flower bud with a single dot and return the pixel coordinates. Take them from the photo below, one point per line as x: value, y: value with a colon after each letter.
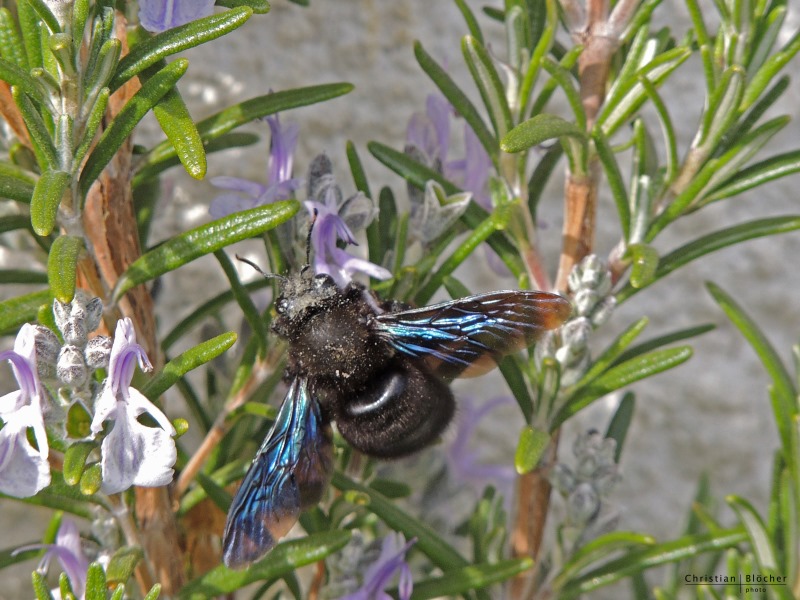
x: 585, y: 300
x: 583, y: 504
x: 71, y: 369
x: 602, y: 310
x: 78, y: 318
x: 94, y: 313
x: 47, y: 348
x: 98, y: 352
x: 587, y: 443
x: 563, y: 479
x: 605, y: 478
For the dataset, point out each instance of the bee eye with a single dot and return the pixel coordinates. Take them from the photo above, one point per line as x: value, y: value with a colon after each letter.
x: 281, y: 306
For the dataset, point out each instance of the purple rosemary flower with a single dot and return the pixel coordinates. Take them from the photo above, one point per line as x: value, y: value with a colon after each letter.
x: 280, y: 185
x: 429, y: 133
x: 132, y: 453
x: 160, y: 15
x: 69, y: 553
x: 472, y: 171
x: 24, y: 470
x: 331, y: 225
x: 382, y: 571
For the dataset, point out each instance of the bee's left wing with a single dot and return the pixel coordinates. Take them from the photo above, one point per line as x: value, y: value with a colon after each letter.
x: 468, y: 336
x: 289, y: 473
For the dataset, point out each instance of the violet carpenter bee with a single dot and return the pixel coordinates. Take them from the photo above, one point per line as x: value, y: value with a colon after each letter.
x: 381, y: 372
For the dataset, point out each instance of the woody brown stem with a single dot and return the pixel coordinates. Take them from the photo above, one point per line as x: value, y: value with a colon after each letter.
x: 112, y: 239
x: 599, y: 33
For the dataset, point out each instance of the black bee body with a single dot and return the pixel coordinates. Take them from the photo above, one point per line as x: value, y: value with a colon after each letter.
x: 383, y: 404
x: 377, y: 369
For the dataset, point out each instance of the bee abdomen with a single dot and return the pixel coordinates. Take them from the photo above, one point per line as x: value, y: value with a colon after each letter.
x: 401, y: 411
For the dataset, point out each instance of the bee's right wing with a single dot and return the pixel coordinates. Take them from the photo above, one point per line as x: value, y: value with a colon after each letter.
x: 468, y: 336
x: 290, y: 472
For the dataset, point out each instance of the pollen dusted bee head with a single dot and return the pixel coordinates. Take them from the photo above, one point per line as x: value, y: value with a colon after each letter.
x: 300, y: 295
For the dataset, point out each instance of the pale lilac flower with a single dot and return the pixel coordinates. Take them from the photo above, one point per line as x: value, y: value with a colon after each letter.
x: 24, y: 470
x: 160, y: 15
x: 464, y: 463
x: 472, y: 171
x: 69, y: 553
x: 330, y: 213
x: 246, y: 194
x: 429, y: 133
x: 132, y: 454
x: 330, y: 259
x: 380, y: 573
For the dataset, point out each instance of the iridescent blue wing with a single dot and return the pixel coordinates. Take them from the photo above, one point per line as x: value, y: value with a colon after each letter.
x: 290, y: 472
x: 466, y: 337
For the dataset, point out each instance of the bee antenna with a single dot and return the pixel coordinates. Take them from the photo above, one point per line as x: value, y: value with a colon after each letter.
x: 308, y: 238
x: 259, y: 269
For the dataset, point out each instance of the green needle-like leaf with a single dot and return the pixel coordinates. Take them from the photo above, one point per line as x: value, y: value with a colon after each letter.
x: 716, y: 241
x: 283, y: 559
x: 18, y: 77
x: 16, y: 183
x: 44, y: 13
x: 185, y: 362
x: 598, y: 550
x: 418, y: 175
x: 539, y: 129
x: 260, y: 7
x: 644, y: 262
x: 178, y: 39
x: 474, y: 577
x: 11, y: 46
x: 786, y: 409
x: 203, y: 240
x: 245, y: 302
x: 488, y: 81
x: 530, y: 447
x: 22, y: 276
x: 177, y: 124
x: 630, y: 94
x: 428, y: 540
x: 622, y: 375
x: 123, y: 124
x: 612, y: 352
x: 14, y: 222
x: 221, y: 123
x: 75, y: 461
x: 40, y: 587
x: 46, y: 199
x: 637, y: 560
x: 209, y: 307
x: 95, y: 582
x: 122, y: 564
x: 759, y: 537
x: 457, y: 98
x: 21, y: 309
x: 618, y: 427
x: 663, y: 340
x: 757, y: 174
x: 41, y: 140
x: 615, y: 182
x: 62, y: 264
